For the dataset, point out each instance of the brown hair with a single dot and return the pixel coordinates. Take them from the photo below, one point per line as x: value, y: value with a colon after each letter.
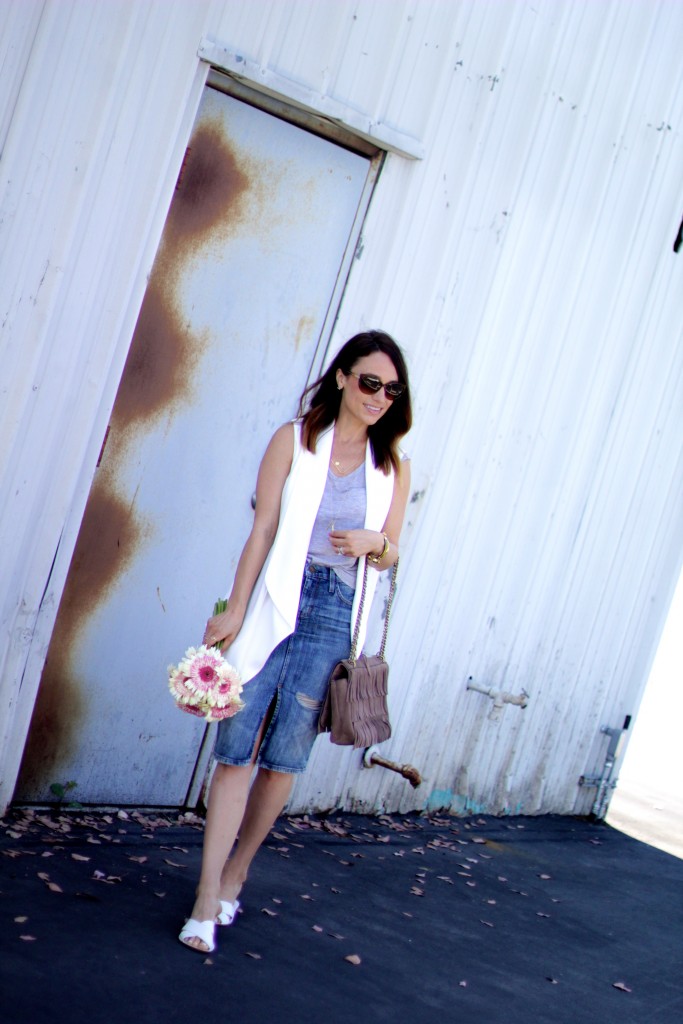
x: 324, y: 398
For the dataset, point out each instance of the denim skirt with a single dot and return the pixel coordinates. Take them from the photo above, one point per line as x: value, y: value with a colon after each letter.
x: 293, y: 682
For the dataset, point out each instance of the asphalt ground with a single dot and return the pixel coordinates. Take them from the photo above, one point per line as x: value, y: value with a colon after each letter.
x: 345, y: 919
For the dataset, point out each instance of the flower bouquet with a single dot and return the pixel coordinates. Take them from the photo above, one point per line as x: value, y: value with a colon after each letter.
x: 204, y: 684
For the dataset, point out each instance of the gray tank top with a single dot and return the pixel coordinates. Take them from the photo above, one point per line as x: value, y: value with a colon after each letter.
x: 342, y: 508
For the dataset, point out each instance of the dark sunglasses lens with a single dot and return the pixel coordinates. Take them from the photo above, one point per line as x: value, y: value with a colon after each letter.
x: 369, y: 385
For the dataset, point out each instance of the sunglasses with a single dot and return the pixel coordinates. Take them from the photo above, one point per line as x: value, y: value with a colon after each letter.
x: 370, y: 385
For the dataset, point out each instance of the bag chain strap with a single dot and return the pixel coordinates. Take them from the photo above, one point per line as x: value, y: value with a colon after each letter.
x: 359, y: 615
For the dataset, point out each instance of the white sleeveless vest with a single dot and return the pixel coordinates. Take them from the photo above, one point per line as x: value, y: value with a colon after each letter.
x: 272, y: 609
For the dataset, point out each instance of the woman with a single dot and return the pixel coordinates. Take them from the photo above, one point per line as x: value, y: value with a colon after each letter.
x: 331, y: 489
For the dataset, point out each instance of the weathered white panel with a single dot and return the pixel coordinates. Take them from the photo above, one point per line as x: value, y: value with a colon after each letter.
x: 378, y: 61
x: 546, y: 347
x: 18, y: 25
x: 89, y: 165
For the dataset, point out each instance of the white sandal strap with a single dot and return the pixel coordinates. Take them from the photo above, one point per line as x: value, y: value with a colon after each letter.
x: 227, y: 912
x: 203, y: 930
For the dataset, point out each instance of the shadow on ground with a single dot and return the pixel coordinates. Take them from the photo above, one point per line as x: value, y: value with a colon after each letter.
x: 345, y: 919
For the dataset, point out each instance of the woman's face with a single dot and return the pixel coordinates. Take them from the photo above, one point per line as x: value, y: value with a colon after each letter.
x: 367, y: 408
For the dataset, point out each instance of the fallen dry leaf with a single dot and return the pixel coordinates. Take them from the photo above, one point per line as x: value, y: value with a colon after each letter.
x: 354, y: 959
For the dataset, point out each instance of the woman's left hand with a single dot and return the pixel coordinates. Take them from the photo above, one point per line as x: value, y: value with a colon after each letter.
x: 356, y: 543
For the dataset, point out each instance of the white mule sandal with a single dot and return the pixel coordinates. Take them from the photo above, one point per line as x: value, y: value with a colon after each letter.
x: 205, y: 931
x: 227, y: 913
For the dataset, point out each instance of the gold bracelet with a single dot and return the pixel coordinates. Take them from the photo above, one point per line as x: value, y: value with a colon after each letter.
x: 378, y: 558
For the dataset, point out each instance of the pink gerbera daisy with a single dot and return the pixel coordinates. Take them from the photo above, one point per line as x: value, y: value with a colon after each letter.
x: 179, y: 687
x: 192, y: 709
x: 227, y: 712
x: 204, y: 671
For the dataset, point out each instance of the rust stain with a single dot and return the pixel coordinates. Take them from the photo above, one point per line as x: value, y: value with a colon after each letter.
x: 210, y: 190
x: 165, y: 353
x: 304, y: 326
x: 107, y: 540
x: 159, y: 365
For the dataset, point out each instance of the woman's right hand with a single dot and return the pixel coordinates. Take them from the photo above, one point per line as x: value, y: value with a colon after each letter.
x: 223, y: 628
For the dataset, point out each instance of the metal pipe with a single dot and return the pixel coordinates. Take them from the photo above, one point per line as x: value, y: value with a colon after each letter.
x: 604, y: 782
x: 408, y: 771
x: 499, y: 697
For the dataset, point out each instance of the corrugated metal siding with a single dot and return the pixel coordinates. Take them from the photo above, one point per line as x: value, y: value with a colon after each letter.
x: 19, y: 21
x: 546, y: 344
x: 526, y: 266
x: 85, y: 189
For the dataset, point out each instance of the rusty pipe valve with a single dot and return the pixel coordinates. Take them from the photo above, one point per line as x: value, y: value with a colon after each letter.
x: 408, y: 771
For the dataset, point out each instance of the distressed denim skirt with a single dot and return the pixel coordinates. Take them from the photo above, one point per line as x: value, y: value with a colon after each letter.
x: 293, y: 683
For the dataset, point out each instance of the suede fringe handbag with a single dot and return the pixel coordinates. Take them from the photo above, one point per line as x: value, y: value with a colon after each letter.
x: 355, y: 711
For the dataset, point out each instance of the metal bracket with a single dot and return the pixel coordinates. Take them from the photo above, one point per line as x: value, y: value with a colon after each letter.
x: 604, y: 783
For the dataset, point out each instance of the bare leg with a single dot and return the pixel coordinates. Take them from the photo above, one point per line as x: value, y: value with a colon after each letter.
x: 225, y: 810
x: 267, y: 797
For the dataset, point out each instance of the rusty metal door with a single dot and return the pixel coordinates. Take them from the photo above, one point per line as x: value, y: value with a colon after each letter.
x: 260, y: 231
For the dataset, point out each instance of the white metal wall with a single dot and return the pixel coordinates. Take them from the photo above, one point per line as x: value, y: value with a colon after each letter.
x: 525, y: 264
